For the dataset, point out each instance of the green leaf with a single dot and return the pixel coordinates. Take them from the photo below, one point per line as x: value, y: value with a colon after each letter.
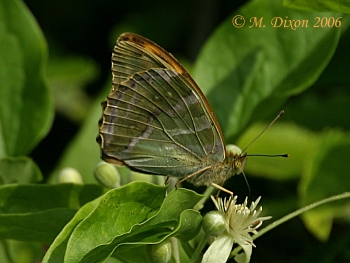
x: 39, y: 226
x: 316, y: 111
x: 173, y: 216
x: 255, y: 66
x: 190, y: 224
x: 325, y: 175
x: 188, y: 227
x: 319, y: 5
x: 128, y: 215
x: 57, y: 250
x: 26, y: 106
x: 101, y: 220
x: 19, y: 170
x: 39, y: 212
x: 153, y: 231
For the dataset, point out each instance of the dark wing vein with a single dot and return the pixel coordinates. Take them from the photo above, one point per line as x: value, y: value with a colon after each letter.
x: 191, y: 114
x: 144, y: 83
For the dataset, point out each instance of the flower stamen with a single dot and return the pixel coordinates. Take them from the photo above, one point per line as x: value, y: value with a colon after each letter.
x: 240, y: 222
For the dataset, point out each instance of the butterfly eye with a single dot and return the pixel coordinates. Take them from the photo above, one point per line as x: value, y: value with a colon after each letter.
x: 237, y: 164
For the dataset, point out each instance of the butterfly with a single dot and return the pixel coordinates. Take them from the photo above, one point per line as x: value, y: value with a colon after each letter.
x: 156, y: 120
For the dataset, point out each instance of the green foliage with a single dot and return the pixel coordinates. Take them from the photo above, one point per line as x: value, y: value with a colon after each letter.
x: 19, y: 170
x: 327, y: 162
x: 319, y: 5
x: 133, y: 215
x: 248, y: 75
x: 39, y: 212
x: 26, y: 109
x: 265, y: 65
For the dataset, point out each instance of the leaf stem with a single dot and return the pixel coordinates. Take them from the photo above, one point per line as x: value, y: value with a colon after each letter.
x: 175, y: 248
x: 206, y: 196
x: 196, y: 255
x: 187, y: 248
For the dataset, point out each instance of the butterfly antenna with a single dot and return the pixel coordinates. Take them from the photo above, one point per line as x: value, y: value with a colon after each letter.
x: 277, y: 117
x: 270, y: 155
x: 246, y: 181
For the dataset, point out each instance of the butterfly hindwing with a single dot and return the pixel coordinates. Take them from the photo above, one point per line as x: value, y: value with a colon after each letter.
x: 155, y: 120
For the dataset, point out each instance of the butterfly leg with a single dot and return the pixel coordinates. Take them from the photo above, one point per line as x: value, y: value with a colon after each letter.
x: 191, y: 175
x: 220, y: 188
x: 166, y: 180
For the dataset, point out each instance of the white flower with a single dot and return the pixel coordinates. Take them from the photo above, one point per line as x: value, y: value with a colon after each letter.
x: 240, y: 221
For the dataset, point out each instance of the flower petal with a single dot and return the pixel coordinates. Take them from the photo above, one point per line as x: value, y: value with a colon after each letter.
x: 244, y: 257
x: 219, y: 250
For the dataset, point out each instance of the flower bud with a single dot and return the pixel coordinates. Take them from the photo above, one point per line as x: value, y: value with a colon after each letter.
x: 136, y: 176
x: 214, y: 223
x: 159, y: 253
x: 107, y: 175
x: 70, y: 175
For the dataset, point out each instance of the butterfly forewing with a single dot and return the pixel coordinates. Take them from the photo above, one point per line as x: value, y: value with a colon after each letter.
x: 128, y: 59
x: 154, y: 119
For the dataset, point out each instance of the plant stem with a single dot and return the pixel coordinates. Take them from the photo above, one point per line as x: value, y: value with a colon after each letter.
x: 206, y: 196
x: 175, y: 247
x: 196, y: 255
x: 294, y: 214
x: 187, y: 248
x: 300, y: 211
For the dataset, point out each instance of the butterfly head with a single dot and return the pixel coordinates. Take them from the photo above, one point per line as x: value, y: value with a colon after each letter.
x: 236, y: 158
